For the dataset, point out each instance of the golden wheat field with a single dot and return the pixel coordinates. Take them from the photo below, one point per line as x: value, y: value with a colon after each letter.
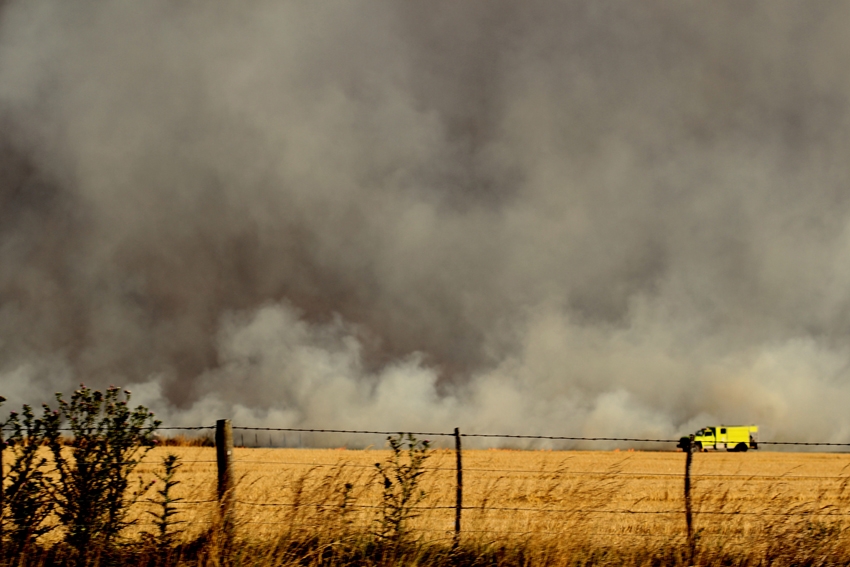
x: 606, y: 497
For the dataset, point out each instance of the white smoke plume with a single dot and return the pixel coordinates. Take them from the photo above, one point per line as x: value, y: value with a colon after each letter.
x: 584, y: 218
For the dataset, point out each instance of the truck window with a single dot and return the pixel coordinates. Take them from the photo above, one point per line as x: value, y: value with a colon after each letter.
x: 722, y: 430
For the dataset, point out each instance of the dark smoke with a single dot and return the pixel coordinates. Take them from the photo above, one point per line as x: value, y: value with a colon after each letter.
x: 583, y: 217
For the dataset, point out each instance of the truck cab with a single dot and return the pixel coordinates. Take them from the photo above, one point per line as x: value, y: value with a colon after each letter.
x: 738, y: 438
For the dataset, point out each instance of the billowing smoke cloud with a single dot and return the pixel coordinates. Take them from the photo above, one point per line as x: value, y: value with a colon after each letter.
x: 572, y: 218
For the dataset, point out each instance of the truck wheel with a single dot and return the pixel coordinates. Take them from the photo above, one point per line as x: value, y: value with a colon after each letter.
x: 741, y: 447
x: 698, y: 446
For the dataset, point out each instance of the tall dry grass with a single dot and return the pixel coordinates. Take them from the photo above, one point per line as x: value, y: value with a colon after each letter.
x: 320, y: 507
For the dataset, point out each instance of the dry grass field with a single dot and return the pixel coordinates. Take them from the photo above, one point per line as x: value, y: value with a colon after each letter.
x: 757, y: 504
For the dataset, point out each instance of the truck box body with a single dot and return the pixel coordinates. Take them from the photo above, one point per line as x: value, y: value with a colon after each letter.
x: 729, y: 437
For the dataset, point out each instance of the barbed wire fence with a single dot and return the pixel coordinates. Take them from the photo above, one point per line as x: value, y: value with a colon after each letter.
x: 455, y: 515
x: 227, y: 498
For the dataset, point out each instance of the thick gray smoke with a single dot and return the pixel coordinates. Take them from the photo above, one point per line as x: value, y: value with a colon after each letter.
x: 603, y: 218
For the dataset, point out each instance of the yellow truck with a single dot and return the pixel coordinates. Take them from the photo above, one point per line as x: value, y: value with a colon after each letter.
x: 738, y: 438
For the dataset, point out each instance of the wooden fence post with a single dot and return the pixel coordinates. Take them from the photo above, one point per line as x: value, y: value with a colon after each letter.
x: 459, y: 491
x: 224, y: 458
x: 689, y: 457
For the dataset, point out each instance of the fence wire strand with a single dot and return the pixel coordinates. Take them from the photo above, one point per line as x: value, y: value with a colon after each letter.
x: 512, y: 436
x: 472, y: 435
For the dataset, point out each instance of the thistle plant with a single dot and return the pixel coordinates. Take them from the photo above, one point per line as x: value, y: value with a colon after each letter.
x: 400, y: 476
x: 164, y: 516
x: 92, y: 480
x: 27, y: 503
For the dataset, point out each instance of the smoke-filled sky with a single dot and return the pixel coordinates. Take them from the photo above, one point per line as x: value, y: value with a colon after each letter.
x: 572, y: 218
